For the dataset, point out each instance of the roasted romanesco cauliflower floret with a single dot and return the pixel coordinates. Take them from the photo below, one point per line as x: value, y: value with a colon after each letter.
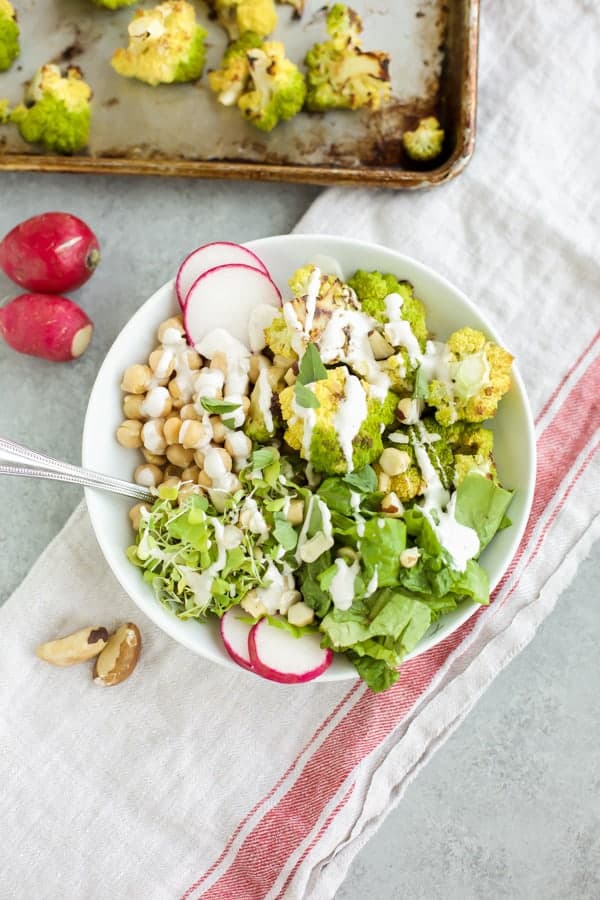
x: 238, y: 16
x: 264, y: 415
x: 407, y: 479
x: 166, y: 45
x: 340, y: 75
x: 402, y: 316
x: 473, y: 448
x: 373, y: 288
x: 344, y: 432
x: 478, y: 376
x: 57, y: 111
x: 426, y: 141
x: 298, y: 6
x: 9, y: 36
x: 230, y: 81
x: 114, y: 4
x: 276, y: 88
x: 4, y: 112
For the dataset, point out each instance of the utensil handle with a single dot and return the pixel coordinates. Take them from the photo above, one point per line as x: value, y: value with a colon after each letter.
x: 103, y: 482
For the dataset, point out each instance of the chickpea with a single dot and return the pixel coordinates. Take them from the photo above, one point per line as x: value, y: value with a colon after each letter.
x: 189, y: 411
x: 171, y: 430
x: 219, y: 361
x: 199, y: 458
x: 203, y: 479
x: 148, y: 475
x: 171, y: 481
x: 393, y: 461
x: 132, y: 406
x: 384, y: 482
x: 153, y: 436
x: 219, y: 430
x: 217, y: 462
x: 274, y: 375
x: 157, y: 403
x: 190, y: 474
x: 136, y: 379
x: 129, y: 434
x: 186, y: 490
x: 245, y: 404
x: 162, y: 363
x: 238, y: 445
x: 257, y: 361
x: 175, y: 323
x: 284, y: 361
x: 194, y: 435
x: 410, y: 557
x: 175, y: 392
x: 135, y: 514
x: 290, y: 377
x: 180, y: 456
x: 193, y: 359
x: 295, y: 513
x: 157, y: 459
x: 172, y: 471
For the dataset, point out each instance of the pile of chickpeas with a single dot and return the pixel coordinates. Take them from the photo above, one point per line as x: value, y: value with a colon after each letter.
x: 180, y: 443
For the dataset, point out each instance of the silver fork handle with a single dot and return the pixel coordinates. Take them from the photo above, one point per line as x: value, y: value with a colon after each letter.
x: 47, y: 467
x: 125, y: 489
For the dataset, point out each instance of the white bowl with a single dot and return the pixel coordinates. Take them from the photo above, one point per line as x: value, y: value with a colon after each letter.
x: 447, y: 310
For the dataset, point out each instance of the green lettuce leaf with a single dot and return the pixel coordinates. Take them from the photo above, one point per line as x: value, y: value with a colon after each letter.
x: 382, y: 543
x: 481, y: 505
x: 374, y: 672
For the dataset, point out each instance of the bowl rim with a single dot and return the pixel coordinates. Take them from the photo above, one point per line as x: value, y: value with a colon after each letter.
x: 168, y: 623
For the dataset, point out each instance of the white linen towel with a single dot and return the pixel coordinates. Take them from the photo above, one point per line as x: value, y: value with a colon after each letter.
x: 193, y: 782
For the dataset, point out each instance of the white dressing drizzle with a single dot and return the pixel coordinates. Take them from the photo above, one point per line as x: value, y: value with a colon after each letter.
x: 350, y: 415
x: 460, y: 542
x: 342, y: 584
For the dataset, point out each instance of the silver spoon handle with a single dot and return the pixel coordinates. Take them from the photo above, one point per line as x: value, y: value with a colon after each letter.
x: 46, y: 466
x: 123, y: 488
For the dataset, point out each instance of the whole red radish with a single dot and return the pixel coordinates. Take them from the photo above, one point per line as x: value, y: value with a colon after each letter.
x: 50, y: 253
x: 43, y: 325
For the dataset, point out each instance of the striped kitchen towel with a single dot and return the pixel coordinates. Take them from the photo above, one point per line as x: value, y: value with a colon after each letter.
x: 197, y: 783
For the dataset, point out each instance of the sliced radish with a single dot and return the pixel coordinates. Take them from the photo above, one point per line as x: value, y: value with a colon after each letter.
x: 234, y: 634
x: 219, y: 253
x: 224, y: 297
x: 279, y: 656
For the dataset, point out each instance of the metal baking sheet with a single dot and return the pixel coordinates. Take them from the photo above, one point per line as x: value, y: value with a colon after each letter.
x: 181, y: 129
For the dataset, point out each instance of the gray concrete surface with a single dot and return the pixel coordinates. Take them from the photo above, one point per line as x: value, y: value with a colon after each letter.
x: 510, y: 806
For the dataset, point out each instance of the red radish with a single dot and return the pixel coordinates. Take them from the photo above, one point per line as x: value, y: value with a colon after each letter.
x: 43, y: 325
x: 224, y: 297
x: 218, y: 253
x: 279, y: 656
x: 234, y: 634
x: 50, y: 253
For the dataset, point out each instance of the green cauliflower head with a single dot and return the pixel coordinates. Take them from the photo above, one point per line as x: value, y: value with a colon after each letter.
x: 166, y: 45
x: 238, y: 16
x: 435, y: 440
x: 372, y: 288
x: 340, y: 75
x: 114, y: 4
x: 331, y: 448
x: 473, y: 448
x: 264, y: 421
x: 297, y: 5
x: 57, y: 111
x: 276, y: 89
x: 426, y: 141
x: 324, y: 294
x: 479, y: 375
x: 9, y: 36
x: 230, y: 81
